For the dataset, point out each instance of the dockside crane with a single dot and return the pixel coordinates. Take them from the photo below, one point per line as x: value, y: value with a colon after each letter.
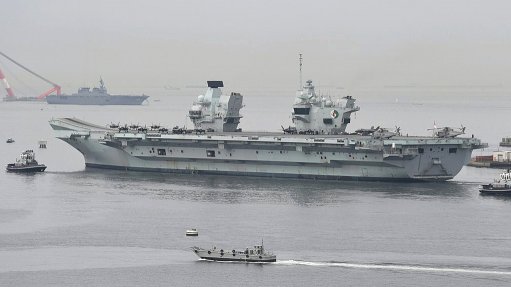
x: 8, y: 88
x: 56, y: 88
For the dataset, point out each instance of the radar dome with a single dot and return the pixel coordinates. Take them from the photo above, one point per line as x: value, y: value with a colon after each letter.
x: 200, y: 98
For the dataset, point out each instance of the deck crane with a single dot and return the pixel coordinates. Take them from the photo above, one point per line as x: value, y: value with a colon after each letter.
x: 56, y: 88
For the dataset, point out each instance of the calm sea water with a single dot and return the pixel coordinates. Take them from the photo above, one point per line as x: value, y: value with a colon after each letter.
x: 72, y: 226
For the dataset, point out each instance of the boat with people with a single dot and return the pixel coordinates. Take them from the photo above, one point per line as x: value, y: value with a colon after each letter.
x: 500, y: 186
x: 26, y: 163
x: 257, y: 254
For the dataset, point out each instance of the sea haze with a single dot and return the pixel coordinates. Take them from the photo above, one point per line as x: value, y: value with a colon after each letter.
x: 72, y: 226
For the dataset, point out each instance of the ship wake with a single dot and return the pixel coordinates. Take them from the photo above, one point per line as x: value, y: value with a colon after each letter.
x: 396, y: 267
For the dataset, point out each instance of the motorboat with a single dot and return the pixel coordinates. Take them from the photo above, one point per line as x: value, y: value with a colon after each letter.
x: 192, y: 232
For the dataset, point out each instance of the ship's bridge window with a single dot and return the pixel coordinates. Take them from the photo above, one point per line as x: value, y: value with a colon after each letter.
x: 453, y: 150
x: 301, y: 111
x: 161, y: 151
x: 328, y: 121
x: 210, y: 153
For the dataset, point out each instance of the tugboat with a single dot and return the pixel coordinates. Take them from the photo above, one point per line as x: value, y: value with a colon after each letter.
x: 499, y: 187
x: 256, y: 254
x: 26, y: 163
x: 9, y: 140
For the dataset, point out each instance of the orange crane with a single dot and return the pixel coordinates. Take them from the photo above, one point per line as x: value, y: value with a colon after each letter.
x: 56, y: 88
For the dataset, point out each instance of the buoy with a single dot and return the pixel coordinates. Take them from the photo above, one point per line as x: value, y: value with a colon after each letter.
x: 42, y: 144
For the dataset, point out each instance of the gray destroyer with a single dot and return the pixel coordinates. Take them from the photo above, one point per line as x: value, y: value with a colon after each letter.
x: 96, y: 96
x: 316, y: 147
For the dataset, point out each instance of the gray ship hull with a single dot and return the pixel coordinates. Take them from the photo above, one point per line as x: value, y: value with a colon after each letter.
x: 23, y: 99
x: 270, y: 155
x: 95, y: 100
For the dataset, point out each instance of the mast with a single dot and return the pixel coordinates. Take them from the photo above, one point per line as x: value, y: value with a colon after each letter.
x: 101, y: 83
x: 300, y: 87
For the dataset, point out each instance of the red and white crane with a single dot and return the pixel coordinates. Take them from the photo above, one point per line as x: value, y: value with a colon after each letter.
x: 8, y: 88
x: 55, y: 88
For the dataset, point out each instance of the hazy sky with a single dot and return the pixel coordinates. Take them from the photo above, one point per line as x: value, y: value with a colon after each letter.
x: 354, y: 44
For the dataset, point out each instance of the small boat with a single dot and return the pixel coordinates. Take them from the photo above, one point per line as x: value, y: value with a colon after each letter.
x: 500, y: 186
x: 256, y: 254
x: 9, y: 140
x: 26, y: 163
x: 192, y: 232
x: 496, y: 189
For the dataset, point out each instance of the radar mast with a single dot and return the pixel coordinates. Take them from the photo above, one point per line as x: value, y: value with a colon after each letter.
x: 300, y: 87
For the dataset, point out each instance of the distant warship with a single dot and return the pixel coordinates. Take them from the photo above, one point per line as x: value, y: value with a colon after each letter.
x: 96, y: 96
x: 317, y: 146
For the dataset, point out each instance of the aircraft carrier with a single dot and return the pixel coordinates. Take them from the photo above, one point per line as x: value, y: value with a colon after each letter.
x: 317, y: 146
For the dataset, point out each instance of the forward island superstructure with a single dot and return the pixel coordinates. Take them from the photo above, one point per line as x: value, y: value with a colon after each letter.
x: 215, y: 111
x: 316, y: 147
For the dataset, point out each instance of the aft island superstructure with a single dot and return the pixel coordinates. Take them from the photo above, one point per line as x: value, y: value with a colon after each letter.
x: 316, y: 147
